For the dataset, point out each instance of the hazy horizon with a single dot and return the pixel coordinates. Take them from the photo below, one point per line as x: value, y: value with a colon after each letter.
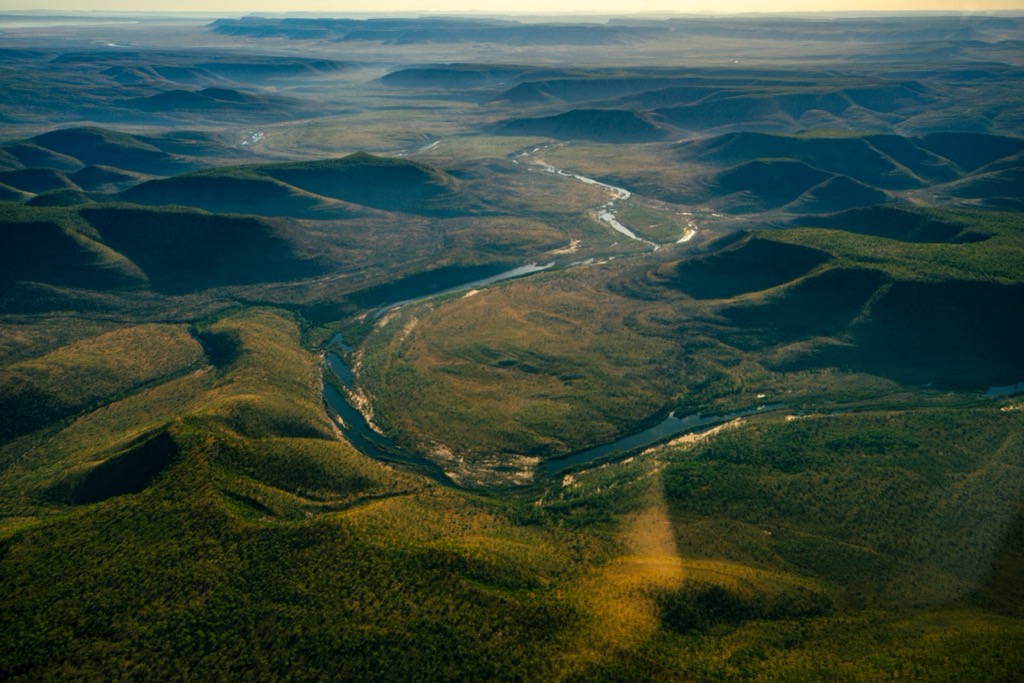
x: 525, y: 7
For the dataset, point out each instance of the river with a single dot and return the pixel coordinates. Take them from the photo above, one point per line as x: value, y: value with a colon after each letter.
x: 380, y: 447
x: 519, y: 271
x: 668, y: 428
x: 375, y: 445
x: 606, y: 213
x: 359, y: 433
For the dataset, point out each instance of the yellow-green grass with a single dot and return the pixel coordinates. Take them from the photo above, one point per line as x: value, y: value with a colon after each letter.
x: 270, y: 388
x: 796, y: 620
x: 894, y: 507
x: 345, y: 555
x: 23, y: 338
x: 243, y: 521
x: 40, y: 460
x: 538, y: 367
x: 380, y: 130
x: 941, y: 645
x: 662, y: 225
x: 91, y: 371
x: 996, y: 259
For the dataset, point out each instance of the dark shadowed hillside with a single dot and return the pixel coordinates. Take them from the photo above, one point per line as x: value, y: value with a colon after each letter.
x: 318, y: 188
x: 109, y: 148
x: 550, y: 349
x: 230, y: 191
x: 187, y: 250
x: 749, y: 264
x: 904, y: 224
x: 605, y: 125
x: 388, y: 184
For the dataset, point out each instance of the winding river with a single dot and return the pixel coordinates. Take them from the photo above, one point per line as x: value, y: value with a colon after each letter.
x: 606, y: 213
x: 528, y: 269
x: 668, y: 428
x: 354, y: 426
x: 373, y: 444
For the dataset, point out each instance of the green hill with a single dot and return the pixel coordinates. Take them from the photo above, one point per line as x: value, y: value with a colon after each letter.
x: 953, y: 333
x: 859, y: 501
x: 323, y: 188
x: 748, y: 265
x: 258, y: 68
x: 210, y: 501
x: 124, y: 473
x: 115, y: 249
x: 817, y: 316
x: 185, y: 250
x: 36, y: 180
x: 453, y: 76
x: 972, y: 151
x: 836, y: 193
x: 915, y: 157
x: 826, y: 173
x: 213, y: 100
x: 383, y: 183
x: 63, y: 197
x: 605, y: 125
x: 903, y: 224
x: 74, y: 150
x: 856, y: 157
x: 38, y: 392
x: 917, y: 322
x: 272, y: 413
x: 235, y: 190
x: 997, y: 189
x: 761, y: 185
x: 12, y: 194
x: 820, y: 305
x: 727, y: 111
x: 43, y: 245
x: 29, y: 155
x: 104, y: 178
x: 98, y: 146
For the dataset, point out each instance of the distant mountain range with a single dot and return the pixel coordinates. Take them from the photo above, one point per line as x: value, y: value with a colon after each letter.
x: 401, y: 31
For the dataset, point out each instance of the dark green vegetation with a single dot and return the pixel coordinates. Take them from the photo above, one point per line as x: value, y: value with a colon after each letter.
x: 190, y: 214
x: 604, y: 125
x: 558, y: 364
x: 306, y: 189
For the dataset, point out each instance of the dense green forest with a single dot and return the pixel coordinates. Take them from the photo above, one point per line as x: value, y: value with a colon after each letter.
x: 447, y: 349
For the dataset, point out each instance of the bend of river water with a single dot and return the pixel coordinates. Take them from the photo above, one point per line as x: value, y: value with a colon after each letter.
x: 670, y: 427
x: 606, y: 214
x: 520, y: 271
x: 375, y: 445
x: 380, y: 447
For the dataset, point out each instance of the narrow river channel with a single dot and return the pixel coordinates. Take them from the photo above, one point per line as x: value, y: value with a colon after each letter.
x: 528, y: 269
x: 380, y: 447
x: 606, y: 213
x: 375, y: 445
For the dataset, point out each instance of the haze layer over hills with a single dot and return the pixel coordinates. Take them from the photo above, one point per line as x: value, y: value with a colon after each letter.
x: 453, y: 348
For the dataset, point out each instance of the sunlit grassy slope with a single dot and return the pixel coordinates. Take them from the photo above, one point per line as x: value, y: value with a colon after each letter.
x: 248, y: 538
x: 231, y: 503
x: 176, y: 504
x: 567, y: 360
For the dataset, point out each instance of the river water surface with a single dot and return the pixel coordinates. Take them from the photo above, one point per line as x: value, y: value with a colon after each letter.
x: 380, y: 447
x: 519, y: 271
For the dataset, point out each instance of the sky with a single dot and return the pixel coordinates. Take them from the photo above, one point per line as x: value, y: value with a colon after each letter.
x: 518, y: 6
